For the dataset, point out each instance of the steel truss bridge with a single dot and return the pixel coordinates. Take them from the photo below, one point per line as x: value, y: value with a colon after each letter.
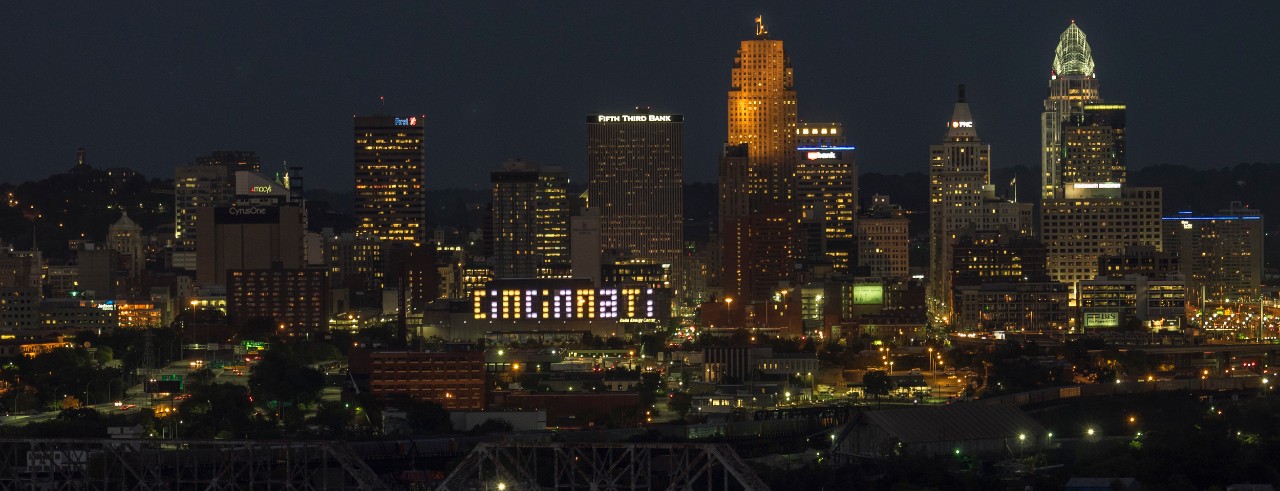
x: 177, y: 465
x: 601, y: 466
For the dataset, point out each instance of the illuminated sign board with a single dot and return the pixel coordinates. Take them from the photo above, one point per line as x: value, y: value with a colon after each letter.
x: 260, y: 189
x: 566, y: 302
x: 246, y: 215
x: 409, y: 121
x: 1095, y: 185
x: 635, y: 118
x: 1101, y: 319
x: 822, y: 155
x: 960, y: 124
x: 868, y: 294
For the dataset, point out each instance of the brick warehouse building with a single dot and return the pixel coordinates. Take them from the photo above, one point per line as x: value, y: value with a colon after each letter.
x: 455, y: 380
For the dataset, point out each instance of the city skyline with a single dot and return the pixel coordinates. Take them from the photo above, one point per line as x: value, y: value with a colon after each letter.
x: 177, y: 96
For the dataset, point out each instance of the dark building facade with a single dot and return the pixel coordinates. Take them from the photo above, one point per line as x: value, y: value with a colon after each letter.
x: 454, y: 379
x: 530, y: 221
x: 296, y: 299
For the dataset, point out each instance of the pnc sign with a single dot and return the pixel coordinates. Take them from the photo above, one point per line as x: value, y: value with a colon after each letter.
x: 960, y: 124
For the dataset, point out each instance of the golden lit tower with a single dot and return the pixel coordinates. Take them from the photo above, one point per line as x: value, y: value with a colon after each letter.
x: 762, y: 115
x: 390, y: 197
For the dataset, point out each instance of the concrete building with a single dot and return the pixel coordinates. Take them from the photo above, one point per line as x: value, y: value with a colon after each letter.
x: 453, y: 379
x: 883, y: 239
x: 355, y: 264
x: 1140, y: 260
x: 1095, y: 220
x: 635, y: 178
x: 295, y: 299
x: 1016, y: 306
x: 19, y: 308
x: 759, y: 232
x: 390, y: 178
x: 585, y: 245
x: 996, y: 257
x: 71, y: 314
x: 1133, y: 300
x: 1221, y: 254
x: 209, y: 181
x: 248, y: 237
x: 962, y: 198
x: 1093, y: 145
x: 827, y: 195
x: 530, y: 221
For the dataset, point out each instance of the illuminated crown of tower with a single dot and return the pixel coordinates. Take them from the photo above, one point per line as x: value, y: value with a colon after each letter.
x: 1073, y: 56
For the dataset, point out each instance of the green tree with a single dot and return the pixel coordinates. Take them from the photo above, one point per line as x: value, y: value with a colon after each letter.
x: 492, y: 425
x: 281, y: 377
x: 333, y: 419
x: 425, y: 417
x: 876, y: 383
x: 218, y: 411
x: 680, y: 402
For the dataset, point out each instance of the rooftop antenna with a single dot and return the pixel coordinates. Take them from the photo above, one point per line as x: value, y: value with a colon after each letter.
x: 383, y: 100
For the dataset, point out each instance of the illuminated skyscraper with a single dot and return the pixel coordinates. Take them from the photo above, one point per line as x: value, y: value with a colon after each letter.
x: 1093, y: 145
x: 530, y: 221
x: 390, y: 200
x: 827, y: 194
x: 1072, y: 84
x: 762, y: 115
x: 961, y: 197
x: 635, y: 173
x: 1221, y: 254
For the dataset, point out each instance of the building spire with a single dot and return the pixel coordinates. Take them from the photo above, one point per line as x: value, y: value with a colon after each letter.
x: 961, y: 124
x: 761, y: 31
x: 1073, y: 55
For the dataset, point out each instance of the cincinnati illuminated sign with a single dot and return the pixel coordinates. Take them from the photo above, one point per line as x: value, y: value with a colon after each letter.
x: 566, y: 303
x: 409, y: 121
x: 638, y: 118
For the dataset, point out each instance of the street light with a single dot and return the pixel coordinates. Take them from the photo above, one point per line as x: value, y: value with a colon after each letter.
x: 728, y: 307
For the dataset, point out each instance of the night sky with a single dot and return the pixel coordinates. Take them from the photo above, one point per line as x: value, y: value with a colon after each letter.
x: 150, y: 85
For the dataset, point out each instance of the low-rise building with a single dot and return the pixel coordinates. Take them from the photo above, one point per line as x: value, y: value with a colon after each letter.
x: 455, y: 380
